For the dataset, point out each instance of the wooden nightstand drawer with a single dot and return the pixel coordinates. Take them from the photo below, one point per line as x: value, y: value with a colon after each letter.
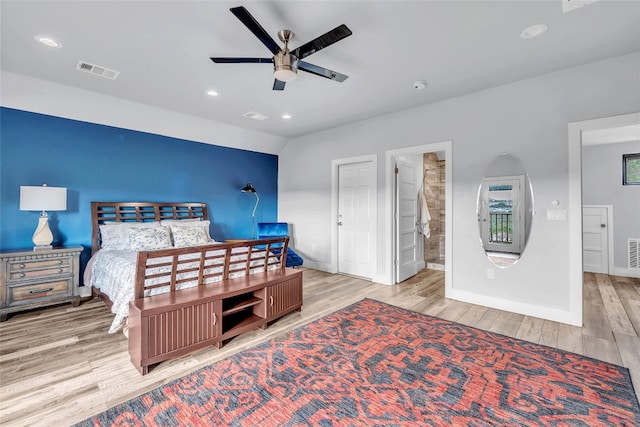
x: 22, y: 294
x: 36, y: 265
x: 23, y: 274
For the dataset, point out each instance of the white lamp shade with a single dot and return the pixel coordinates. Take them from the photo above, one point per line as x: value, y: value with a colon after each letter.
x: 43, y: 198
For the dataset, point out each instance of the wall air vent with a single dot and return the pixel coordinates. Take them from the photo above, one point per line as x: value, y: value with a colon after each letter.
x: 569, y: 5
x: 255, y: 116
x: 634, y: 254
x: 97, y: 70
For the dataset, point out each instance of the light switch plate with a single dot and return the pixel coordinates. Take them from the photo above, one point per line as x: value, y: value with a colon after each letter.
x: 557, y: 214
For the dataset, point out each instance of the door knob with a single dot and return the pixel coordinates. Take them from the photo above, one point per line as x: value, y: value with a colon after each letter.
x: 603, y: 225
x: 340, y: 223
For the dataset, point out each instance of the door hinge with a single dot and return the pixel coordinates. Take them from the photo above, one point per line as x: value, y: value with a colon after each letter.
x: 396, y: 170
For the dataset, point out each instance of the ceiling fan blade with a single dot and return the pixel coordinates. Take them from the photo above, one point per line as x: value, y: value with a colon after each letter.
x: 278, y: 85
x: 322, y: 72
x: 323, y: 41
x: 250, y: 22
x: 242, y: 60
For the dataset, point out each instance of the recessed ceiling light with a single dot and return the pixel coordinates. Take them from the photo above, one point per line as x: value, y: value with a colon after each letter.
x: 533, y: 31
x: 419, y: 85
x: 212, y: 93
x: 286, y: 116
x: 48, y: 41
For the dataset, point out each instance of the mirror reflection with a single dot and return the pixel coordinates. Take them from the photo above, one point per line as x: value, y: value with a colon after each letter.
x: 505, y: 207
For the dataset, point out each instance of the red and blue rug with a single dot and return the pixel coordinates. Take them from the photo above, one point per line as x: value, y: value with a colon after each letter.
x: 373, y: 364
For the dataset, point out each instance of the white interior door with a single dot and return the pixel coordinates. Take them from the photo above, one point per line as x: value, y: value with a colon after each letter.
x: 406, y: 218
x: 595, y: 248
x: 355, y: 219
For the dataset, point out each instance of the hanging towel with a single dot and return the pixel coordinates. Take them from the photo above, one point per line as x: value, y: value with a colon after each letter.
x: 423, y: 214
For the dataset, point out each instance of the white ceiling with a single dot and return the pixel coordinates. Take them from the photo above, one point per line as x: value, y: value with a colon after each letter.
x: 162, y: 50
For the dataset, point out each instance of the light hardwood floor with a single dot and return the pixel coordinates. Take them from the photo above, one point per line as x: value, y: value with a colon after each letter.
x: 58, y: 365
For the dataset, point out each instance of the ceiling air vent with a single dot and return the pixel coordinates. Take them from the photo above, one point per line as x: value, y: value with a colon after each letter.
x: 97, y: 70
x: 255, y: 116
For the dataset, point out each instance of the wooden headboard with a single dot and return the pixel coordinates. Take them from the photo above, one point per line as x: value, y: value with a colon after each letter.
x: 103, y: 212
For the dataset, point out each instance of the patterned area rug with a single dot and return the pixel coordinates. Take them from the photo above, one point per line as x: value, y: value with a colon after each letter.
x: 375, y: 364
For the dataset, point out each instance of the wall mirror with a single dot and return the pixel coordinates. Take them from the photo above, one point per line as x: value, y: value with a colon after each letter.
x: 505, y: 210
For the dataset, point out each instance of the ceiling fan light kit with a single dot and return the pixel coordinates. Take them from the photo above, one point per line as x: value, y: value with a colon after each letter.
x: 286, y: 63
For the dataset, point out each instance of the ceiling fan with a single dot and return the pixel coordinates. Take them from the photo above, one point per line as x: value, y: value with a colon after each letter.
x: 286, y: 63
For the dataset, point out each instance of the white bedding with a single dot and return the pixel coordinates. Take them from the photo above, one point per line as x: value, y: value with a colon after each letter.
x: 113, y: 272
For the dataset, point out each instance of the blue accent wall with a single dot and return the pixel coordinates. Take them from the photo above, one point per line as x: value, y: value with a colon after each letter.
x: 103, y: 163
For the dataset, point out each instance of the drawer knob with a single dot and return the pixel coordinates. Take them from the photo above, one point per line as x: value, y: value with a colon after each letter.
x: 59, y: 261
x: 21, y: 265
x: 21, y: 274
x: 40, y: 291
x: 59, y: 270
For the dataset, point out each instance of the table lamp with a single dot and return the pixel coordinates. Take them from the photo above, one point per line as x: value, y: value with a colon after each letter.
x: 43, y: 199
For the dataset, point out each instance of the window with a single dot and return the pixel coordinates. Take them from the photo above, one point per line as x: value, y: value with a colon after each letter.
x: 631, y: 169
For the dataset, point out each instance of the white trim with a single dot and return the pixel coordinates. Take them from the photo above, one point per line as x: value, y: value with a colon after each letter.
x: 321, y: 266
x: 609, y: 208
x: 335, y: 164
x: 575, y: 130
x: 390, y: 155
x: 556, y: 315
x: 626, y: 272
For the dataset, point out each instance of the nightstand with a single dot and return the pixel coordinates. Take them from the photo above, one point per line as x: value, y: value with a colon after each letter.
x: 31, y: 279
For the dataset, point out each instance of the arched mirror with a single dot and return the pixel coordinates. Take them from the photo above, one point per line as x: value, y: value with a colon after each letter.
x: 505, y: 210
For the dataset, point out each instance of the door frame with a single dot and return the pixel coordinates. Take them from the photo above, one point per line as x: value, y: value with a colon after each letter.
x: 390, y: 248
x: 575, y: 130
x: 609, y: 209
x: 335, y: 166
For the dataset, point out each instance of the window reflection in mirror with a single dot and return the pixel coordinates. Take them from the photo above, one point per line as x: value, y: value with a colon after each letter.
x: 505, y: 207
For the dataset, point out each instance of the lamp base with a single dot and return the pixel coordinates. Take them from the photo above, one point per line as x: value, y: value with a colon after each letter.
x: 42, y: 237
x: 43, y: 247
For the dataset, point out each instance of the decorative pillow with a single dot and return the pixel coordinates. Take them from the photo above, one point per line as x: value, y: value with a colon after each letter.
x: 111, y: 237
x: 144, y: 239
x: 190, y: 236
x: 115, y: 235
x: 190, y: 224
x: 170, y: 222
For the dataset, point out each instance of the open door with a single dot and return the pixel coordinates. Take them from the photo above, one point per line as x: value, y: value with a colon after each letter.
x: 408, y: 249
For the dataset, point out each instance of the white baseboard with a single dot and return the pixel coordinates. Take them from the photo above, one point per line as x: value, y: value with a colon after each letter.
x: 546, y: 313
x: 626, y: 272
x: 382, y: 279
x: 319, y: 266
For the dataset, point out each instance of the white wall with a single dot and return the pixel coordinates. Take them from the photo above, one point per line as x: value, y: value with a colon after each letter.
x: 40, y: 96
x: 602, y: 185
x: 527, y: 119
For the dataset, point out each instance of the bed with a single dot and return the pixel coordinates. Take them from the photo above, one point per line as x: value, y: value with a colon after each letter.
x: 173, y: 289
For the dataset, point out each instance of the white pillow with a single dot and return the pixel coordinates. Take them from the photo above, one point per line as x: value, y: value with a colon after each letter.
x: 190, y: 224
x: 144, y: 239
x: 111, y: 237
x: 115, y: 235
x: 169, y: 222
x: 189, y: 236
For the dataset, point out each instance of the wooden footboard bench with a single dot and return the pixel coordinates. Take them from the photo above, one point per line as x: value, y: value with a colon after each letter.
x: 188, y: 298
x: 219, y: 307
